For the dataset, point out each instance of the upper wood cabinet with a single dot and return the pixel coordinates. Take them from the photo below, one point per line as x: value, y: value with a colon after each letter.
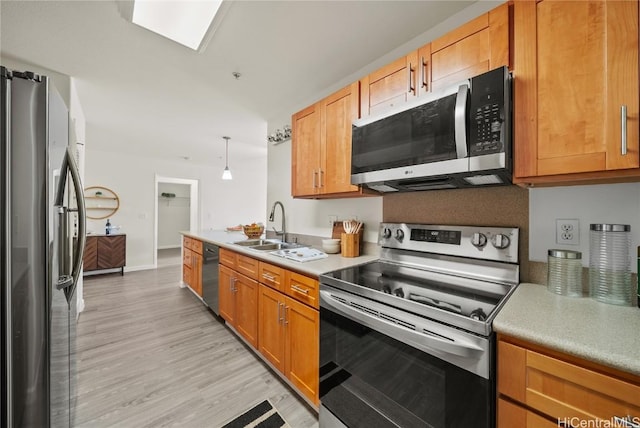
x: 576, y: 72
x: 390, y: 86
x: 478, y: 46
x: 321, y: 147
x: 471, y: 49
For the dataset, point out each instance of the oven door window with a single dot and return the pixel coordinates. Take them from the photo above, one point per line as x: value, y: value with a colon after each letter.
x: 416, y: 136
x: 368, y: 379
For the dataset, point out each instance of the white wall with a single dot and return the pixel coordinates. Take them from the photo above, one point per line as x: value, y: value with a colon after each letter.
x: 311, y: 217
x: 173, y: 214
x: 604, y: 203
x: 222, y: 203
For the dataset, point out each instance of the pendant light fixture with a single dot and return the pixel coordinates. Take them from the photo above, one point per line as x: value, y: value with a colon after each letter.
x: 226, y: 174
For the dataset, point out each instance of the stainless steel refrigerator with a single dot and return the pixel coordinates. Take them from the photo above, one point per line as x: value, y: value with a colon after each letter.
x: 41, y: 258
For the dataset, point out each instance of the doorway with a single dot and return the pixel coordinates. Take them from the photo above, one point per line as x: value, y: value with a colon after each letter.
x: 176, y: 210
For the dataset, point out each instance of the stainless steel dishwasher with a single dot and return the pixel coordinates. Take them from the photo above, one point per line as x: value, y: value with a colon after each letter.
x: 210, y: 258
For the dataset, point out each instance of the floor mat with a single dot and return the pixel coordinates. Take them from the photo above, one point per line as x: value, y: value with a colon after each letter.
x: 263, y: 415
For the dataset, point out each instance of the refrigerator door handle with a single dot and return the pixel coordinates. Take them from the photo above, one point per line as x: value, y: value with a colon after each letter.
x: 69, y: 165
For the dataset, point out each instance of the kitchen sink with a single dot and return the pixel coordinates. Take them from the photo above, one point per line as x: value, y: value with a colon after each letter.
x: 276, y: 246
x: 253, y: 242
x: 267, y: 245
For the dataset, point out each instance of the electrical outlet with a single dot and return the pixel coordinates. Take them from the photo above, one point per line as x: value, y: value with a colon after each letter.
x: 332, y: 219
x: 568, y: 231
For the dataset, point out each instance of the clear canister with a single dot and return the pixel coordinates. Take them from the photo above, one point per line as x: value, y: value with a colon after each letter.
x: 564, y: 272
x: 610, y: 264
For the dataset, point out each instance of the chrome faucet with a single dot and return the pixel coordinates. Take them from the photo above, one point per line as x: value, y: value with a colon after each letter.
x: 282, y: 232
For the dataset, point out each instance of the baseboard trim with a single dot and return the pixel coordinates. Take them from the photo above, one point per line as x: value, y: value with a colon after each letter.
x: 169, y: 247
x: 140, y: 267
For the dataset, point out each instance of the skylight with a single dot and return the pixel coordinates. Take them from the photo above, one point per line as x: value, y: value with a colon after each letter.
x: 185, y: 22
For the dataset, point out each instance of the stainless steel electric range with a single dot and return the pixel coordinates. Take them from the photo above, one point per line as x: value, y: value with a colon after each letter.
x: 407, y: 340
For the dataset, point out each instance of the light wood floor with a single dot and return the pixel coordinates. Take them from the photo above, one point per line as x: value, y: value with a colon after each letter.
x: 150, y: 354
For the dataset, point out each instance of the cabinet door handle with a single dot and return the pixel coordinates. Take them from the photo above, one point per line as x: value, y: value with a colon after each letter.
x: 286, y: 321
x: 425, y: 84
x: 300, y: 289
x: 321, y: 175
x: 623, y: 129
x: 411, y: 86
x: 268, y: 277
x: 315, y: 183
x: 280, y: 313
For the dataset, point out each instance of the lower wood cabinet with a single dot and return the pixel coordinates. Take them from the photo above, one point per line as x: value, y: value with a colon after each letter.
x: 238, y: 303
x: 538, y: 387
x: 192, y: 264
x: 105, y: 252
x: 278, y: 316
x: 288, y: 338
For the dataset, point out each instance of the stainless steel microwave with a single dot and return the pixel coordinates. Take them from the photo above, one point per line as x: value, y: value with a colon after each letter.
x: 457, y: 137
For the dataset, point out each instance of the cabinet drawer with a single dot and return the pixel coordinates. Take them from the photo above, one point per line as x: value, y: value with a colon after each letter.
x: 302, y: 288
x: 196, y: 246
x: 186, y: 242
x: 271, y: 275
x: 563, y: 389
x: 247, y: 266
x: 228, y: 258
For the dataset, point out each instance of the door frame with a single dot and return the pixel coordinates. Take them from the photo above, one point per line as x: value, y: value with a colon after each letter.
x: 193, y: 207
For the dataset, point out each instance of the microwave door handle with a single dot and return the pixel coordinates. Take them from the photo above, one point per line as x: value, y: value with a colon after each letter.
x: 413, y: 338
x: 460, y: 120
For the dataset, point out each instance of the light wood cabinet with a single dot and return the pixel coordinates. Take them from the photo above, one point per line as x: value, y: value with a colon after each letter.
x: 576, y: 69
x: 302, y: 353
x: 534, y: 381
x: 271, y: 275
x: 226, y: 295
x: 238, y: 303
x: 476, y: 47
x: 321, y: 147
x: 278, y: 316
x: 105, y: 252
x: 390, y: 86
x: 192, y: 264
x: 289, y: 339
x: 271, y: 327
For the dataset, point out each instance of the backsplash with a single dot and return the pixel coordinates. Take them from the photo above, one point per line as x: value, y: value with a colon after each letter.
x: 493, y: 206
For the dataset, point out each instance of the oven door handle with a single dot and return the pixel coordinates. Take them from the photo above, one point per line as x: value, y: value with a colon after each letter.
x: 422, y: 341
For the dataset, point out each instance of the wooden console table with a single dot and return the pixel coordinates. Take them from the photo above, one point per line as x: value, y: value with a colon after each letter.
x: 105, y: 252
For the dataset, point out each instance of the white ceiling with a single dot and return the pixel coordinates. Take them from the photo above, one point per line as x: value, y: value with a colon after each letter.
x: 142, y: 93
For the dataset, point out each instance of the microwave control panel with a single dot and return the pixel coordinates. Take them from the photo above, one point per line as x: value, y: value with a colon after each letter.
x: 489, y: 109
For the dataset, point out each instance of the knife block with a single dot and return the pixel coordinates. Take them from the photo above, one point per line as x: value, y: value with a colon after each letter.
x: 350, y: 244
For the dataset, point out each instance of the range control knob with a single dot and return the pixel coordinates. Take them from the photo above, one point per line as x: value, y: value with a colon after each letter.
x: 500, y: 241
x: 386, y: 233
x: 399, y: 234
x: 479, y: 240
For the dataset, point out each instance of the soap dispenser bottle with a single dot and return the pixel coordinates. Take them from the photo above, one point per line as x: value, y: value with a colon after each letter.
x: 108, y: 227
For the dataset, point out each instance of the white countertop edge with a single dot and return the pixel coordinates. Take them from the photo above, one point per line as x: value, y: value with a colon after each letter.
x: 313, y: 268
x: 583, y: 327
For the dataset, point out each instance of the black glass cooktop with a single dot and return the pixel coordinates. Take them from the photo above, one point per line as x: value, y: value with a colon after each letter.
x: 452, y: 293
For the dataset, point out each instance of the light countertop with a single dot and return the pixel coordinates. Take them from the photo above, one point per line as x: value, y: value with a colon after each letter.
x: 312, y: 268
x: 583, y: 327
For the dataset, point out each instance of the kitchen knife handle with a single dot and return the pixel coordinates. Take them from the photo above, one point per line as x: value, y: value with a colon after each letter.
x: 623, y: 129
